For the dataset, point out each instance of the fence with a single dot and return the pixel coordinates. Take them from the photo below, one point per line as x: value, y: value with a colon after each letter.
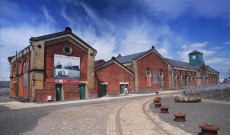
x: 4, y: 91
x: 218, y: 92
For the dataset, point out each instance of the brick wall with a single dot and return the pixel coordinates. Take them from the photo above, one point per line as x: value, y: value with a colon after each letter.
x: 18, y: 76
x: 156, y: 64
x: 70, y: 91
x: 113, y: 74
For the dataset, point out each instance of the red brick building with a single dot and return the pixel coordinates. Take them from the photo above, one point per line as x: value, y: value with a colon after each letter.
x: 154, y: 72
x: 61, y: 66
x: 58, y: 66
x: 113, y: 78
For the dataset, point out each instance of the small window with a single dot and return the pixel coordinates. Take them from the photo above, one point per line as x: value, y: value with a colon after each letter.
x: 67, y: 50
x: 155, y: 78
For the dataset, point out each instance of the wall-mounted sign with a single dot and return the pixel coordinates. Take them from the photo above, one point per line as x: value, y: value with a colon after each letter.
x: 66, y: 66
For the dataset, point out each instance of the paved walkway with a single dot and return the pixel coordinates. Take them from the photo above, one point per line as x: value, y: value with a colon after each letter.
x: 98, y: 116
x: 19, y: 105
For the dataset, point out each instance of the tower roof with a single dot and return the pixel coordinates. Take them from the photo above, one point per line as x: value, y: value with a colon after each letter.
x: 194, y: 52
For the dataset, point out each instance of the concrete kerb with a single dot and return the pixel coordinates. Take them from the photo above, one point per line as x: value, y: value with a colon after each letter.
x: 19, y: 105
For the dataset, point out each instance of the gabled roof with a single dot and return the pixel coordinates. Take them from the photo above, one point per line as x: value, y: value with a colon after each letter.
x: 128, y: 58
x: 211, y: 70
x: 68, y: 30
x: 136, y: 56
x: 113, y: 60
x: 98, y: 62
x: 195, y: 52
x: 180, y: 64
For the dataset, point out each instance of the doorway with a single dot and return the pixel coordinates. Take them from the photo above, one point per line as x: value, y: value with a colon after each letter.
x: 58, y: 92
x: 104, y: 89
x: 82, y: 90
x: 123, y: 88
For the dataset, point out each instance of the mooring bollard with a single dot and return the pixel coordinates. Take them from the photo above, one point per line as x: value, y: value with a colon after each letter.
x: 164, y: 109
x: 156, y: 101
x: 180, y: 117
x: 157, y: 105
x: 209, y: 129
x: 159, y: 98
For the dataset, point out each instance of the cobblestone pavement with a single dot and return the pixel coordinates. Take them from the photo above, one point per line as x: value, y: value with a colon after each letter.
x: 135, y: 118
x: 210, y: 111
x: 122, y: 117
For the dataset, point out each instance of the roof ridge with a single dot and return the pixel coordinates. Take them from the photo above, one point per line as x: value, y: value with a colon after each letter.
x: 177, y: 60
x: 132, y: 54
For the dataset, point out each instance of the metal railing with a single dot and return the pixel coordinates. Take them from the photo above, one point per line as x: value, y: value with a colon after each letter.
x: 218, y: 91
x: 4, y: 91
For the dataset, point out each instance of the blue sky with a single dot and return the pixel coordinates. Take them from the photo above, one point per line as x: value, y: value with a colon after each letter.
x: 174, y: 27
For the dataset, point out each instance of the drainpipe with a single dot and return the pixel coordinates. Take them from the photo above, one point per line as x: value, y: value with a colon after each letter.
x: 29, y: 52
x: 17, y: 74
x: 172, y: 81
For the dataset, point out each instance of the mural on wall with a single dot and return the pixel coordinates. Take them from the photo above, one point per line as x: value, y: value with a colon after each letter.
x: 66, y: 66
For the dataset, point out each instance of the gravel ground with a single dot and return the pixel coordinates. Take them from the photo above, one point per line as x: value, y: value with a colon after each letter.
x: 197, y: 113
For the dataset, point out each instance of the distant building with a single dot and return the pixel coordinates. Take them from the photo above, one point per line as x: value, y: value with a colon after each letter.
x: 150, y: 71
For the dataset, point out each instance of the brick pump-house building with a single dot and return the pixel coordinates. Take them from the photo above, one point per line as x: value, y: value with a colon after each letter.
x: 113, y: 78
x: 57, y: 66
x: 150, y: 71
x: 61, y: 66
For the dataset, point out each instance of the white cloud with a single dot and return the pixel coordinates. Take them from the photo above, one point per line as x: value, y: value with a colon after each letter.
x: 195, y: 45
x: 16, y: 38
x: 164, y: 49
x: 168, y: 8
x: 136, y: 38
x: 104, y: 44
x: 215, y: 60
x: 227, y: 43
x: 171, y: 9
x: 188, y: 48
x: 48, y: 17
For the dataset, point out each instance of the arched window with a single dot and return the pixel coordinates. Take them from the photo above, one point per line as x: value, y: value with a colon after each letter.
x: 186, y: 79
x: 174, y: 79
x: 24, y: 67
x: 148, y: 75
x: 25, y: 73
x: 161, y: 76
x: 19, y: 67
x: 14, y: 71
x: 203, y: 78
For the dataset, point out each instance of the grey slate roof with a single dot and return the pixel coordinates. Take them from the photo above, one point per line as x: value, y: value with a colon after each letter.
x: 180, y: 64
x: 128, y: 58
x: 194, y: 52
x: 175, y: 63
x: 211, y: 69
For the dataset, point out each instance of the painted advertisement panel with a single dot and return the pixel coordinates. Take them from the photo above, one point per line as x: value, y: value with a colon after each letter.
x: 66, y: 67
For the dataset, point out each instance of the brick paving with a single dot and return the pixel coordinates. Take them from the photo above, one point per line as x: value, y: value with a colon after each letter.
x: 134, y: 122
x: 116, y: 117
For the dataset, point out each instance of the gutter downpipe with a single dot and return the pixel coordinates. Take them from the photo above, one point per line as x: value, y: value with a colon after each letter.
x: 172, y: 81
x: 29, y: 61
x: 17, y: 73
